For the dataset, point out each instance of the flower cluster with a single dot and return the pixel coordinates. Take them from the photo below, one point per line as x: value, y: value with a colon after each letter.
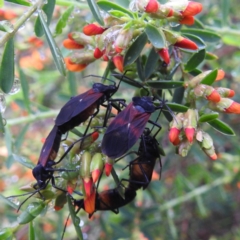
x: 111, y: 42
x: 185, y: 127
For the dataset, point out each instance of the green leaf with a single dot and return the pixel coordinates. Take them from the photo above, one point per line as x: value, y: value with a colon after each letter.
x: 205, y: 35
x: 140, y: 71
x: 62, y: 22
x: 107, y: 6
x: 48, y: 10
x: 57, y: 55
x: 201, y: 44
x: 195, y: 60
x: 23, y: 161
x: 31, y: 231
x: 155, y: 36
x: 222, y: 127
x: 164, y: 84
x: 7, y: 67
x: 208, y: 117
x: 210, y: 78
x: 225, y: 7
x: 151, y: 63
x: 6, y: 233
x: 117, y: 14
x: 177, y: 107
x: 20, y: 2
x: 1, y: 3
x: 95, y: 11
x: 135, y: 49
x: 2, y: 129
x: 25, y: 89
x: 8, y: 202
x: 210, y: 56
x: 75, y: 219
x: 20, y: 138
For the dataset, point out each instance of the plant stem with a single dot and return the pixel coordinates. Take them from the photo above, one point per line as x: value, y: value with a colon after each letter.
x: 32, y: 117
x: 69, y: 3
x: 19, y: 23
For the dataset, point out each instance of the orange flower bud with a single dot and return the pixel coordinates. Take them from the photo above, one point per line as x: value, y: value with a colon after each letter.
x: 81, y: 38
x: 173, y: 134
x: 233, y: 108
x: 37, y: 42
x: 225, y: 92
x: 185, y: 43
x: 152, y: 6
x: 190, y: 123
x: 189, y: 132
x: 93, y: 29
x: 88, y: 186
x: 188, y: 20
x: 74, y: 67
x: 96, y: 174
x: 220, y: 75
x: 70, y: 44
x: 118, y: 62
x: 214, y: 96
x: 89, y: 203
x: 164, y: 54
x: 192, y: 9
x: 7, y: 14
x: 177, y: 141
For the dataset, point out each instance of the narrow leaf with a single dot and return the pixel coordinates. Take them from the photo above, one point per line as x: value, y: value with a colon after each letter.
x: 8, y: 202
x: 2, y: 129
x: 155, y: 36
x: 140, y: 69
x: 75, y: 219
x: 25, y: 89
x: 20, y: 138
x: 57, y: 55
x: 48, y: 10
x: 205, y: 35
x: 7, y: 67
x: 225, y: 7
x: 210, y: 56
x: 95, y: 11
x: 177, y: 107
x: 164, y: 84
x: 195, y: 60
x: 135, y: 49
x: 23, y: 161
x: 208, y: 117
x: 62, y: 22
x: 210, y: 78
x: 151, y: 63
x: 222, y: 127
x: 117, y: 14
x: 107, y: 6
x: 20, y: 2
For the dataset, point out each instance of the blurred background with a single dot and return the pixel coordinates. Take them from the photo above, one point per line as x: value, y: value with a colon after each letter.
x: 196, y: 198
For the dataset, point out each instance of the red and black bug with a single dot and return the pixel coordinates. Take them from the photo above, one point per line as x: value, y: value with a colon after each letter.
x: 126, y: 128
x: 140, y: 172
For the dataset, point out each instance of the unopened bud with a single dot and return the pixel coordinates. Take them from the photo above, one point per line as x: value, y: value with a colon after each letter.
x: 123, y: 39
x: 192, y: 9
x: 225, y: 92
x: 98, y: 53
x: 85, y: 165
x: 89, y: 203
x: 190, y: 123
x: 81, y: 38
x: 164, y: 54
x: 149, y: 6
x: 185, y: 43
x: 74, y: 67
x: 225, y: 105
x: 118, y: 62
x: 85, y: 57
x: 108, y: 166
x: 175, y: 128
x: 184, y: 148
x: 70, y: 44
x: 96, y: 166
x: 208, y: 92
x: 93, y: 29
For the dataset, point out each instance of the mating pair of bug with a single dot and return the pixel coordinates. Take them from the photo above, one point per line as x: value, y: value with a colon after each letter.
x: 120, y: 136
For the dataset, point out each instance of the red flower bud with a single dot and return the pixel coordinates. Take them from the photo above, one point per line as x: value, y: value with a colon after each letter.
x: 70, y: 44
x: 176, y: 141
x: 105, y: 58
x: 108, y: 168
x: 213, y: 156
x: 118, y: 62
x: 173, y: 134
x: 164, y: 54
x: 96, y: 174
x: 185, y: 43
x: 192, y: 9
x: 152, y: 6
x: 70, y: 189
x: 188, y: 20
x: 98, y: 53
x: 225, y: 92
x: 189, y: 132
x: 93, y: 29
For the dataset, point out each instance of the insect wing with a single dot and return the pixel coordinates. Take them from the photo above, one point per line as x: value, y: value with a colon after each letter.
x: 124, y: 131
x: 76, y: 105
x: 50, y: 146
